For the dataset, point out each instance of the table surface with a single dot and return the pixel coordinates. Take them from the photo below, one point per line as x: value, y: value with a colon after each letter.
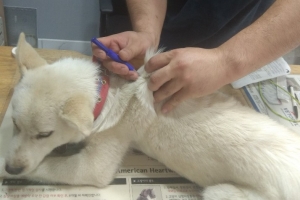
x: 9, y: 73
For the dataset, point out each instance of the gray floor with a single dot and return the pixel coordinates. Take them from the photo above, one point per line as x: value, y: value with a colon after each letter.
x: 293, y: 57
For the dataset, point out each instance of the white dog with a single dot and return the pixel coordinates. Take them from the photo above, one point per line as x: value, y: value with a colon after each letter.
x: 214, y: 141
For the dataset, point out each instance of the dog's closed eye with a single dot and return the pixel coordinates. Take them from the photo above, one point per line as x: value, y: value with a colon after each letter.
x: 42, y: 135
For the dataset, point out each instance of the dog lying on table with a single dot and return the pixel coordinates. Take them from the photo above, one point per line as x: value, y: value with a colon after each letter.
x: 214, y: 141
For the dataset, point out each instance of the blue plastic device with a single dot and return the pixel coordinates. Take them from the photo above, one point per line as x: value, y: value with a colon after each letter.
x: 110, y: 53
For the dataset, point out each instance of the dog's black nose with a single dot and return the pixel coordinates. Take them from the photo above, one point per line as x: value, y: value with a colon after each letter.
x: 13, y: 170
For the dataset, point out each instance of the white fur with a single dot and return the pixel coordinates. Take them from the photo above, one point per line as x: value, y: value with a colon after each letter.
x: 214, y: 141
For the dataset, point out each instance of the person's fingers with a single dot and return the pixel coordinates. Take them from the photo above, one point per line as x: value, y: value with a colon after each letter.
x: 115, y: 67
x: 99, y: 54
x: 166, y: 90
x: 120, y: 69
x: 159, y: 77
x: 111, y: 42
x: 157, y: 62
x: 174, y: 101
x: 132, y: 75
x: 137, y: 62
x: 130, y: 52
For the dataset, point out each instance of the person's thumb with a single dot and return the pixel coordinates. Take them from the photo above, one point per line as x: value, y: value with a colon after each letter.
x: 129, y: 52
x: 173, y: 102
x: 132, y: 54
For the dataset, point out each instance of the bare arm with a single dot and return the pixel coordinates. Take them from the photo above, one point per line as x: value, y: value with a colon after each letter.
x: 275, y: 33
x: 194, y: 72
x: 148, y: 16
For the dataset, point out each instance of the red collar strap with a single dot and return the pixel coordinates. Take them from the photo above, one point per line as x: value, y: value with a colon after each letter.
x: 102, y: 96
x: 103, y: 85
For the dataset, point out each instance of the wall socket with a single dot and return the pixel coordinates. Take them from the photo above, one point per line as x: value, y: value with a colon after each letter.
x: 1, y: 32
x: 21, y: 20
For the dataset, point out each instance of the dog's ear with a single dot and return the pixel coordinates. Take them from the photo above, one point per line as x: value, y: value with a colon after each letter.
x: 78, y: 113
x: 27, y: 58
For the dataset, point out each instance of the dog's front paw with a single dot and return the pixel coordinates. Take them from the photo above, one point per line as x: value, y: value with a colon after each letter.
x: 101, y: 183
x: 222, y: 191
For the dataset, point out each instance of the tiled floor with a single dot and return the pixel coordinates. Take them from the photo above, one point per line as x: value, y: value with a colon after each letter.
x: 293, y: 57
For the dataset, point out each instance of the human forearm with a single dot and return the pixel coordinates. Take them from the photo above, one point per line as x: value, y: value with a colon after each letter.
x: 275, y: 33
x: 148, y: 16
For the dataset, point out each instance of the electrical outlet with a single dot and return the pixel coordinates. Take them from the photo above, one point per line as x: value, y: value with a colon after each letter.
x: 1, y: 32
x: 21, y: 20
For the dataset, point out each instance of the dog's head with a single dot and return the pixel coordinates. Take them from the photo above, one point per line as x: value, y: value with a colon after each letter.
x: 47, y: 113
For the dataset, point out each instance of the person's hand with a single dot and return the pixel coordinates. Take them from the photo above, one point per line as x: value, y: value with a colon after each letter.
x: 131, y: 47
x: 185, y: 73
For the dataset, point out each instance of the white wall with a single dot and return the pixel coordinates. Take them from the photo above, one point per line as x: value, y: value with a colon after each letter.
x: 63, y: 22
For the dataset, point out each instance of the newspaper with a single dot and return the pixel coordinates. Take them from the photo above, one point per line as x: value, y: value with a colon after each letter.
x: 274, y: 69
x: 139, y: 178
x: 278, y: 101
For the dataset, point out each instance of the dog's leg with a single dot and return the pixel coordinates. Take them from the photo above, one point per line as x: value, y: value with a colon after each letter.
x: 228, y: 192
x: 95, y: 165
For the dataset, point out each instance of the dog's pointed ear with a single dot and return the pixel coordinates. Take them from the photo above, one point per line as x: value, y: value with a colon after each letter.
x: 27, y: 58
x: 78, y: 113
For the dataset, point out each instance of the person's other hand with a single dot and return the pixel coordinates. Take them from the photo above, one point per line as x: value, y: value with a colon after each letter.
x: 131, y: 47
x: 185, y: 73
